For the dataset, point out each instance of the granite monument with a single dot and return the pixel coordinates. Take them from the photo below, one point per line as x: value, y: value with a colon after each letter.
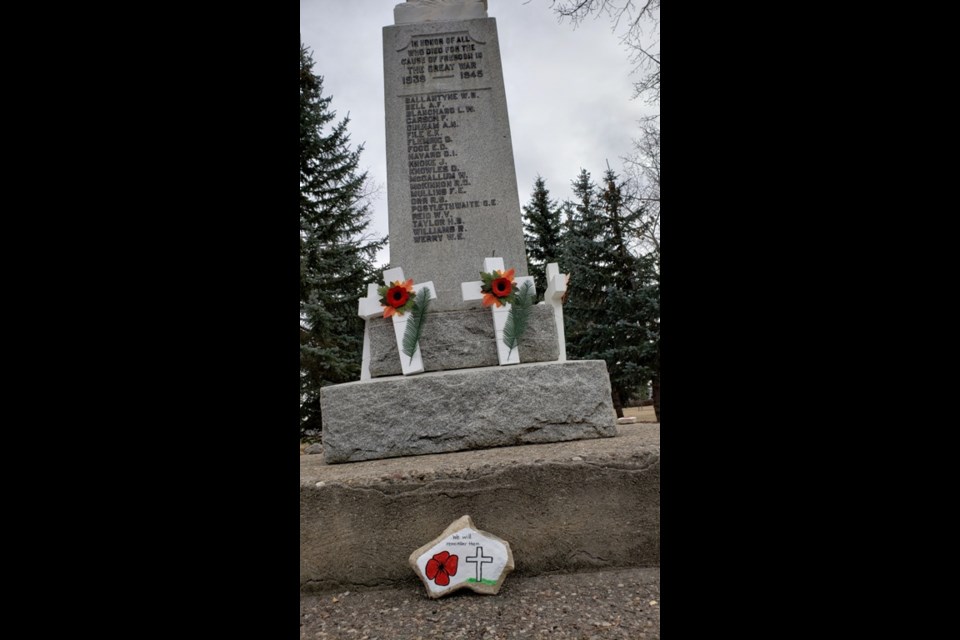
x: 454, y: 212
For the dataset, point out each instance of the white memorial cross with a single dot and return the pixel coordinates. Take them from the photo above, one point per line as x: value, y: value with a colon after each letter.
x: 367, y: 311
x: 370, y: 307
x: 470, y: 291
x: 479, y: 560
x: 556, y: 289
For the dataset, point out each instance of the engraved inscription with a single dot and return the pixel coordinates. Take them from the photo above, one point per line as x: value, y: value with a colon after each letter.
x: 441, y: 57
x: 441, y: 190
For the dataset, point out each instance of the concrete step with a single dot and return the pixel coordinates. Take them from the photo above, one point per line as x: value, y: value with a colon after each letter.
x: 564, y: 507
x: 611, y: 603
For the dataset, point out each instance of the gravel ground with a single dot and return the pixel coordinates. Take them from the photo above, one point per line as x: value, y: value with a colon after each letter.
x: 623, y: 603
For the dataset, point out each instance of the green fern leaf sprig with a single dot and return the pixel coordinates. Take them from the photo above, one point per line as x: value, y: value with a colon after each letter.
x: 418, y: 316
x: 519, y: 317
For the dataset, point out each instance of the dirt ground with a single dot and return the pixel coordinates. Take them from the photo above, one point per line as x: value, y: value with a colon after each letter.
x: 642, y: 414
x: 615, y: 604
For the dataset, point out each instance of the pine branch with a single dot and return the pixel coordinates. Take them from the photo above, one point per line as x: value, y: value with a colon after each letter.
x: 418, y: 315
x: 518, y: 317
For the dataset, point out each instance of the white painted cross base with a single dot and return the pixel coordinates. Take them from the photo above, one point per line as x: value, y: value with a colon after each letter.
x: 463, y: 557
x: 370, y: 307
x: 470, y: 291
x: 556, y: 288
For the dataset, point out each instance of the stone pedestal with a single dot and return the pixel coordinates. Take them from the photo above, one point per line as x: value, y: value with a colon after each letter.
x: 462, y: 340
x: 467, y: 409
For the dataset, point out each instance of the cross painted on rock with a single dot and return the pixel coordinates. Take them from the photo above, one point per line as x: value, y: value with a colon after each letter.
x: 370, y: 307
x: 470, y: 291
x: 479, y: 560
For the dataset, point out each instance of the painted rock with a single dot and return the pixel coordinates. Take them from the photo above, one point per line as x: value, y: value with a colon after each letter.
x: 463, y: 557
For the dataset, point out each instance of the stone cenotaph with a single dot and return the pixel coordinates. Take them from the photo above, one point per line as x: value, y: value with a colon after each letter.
x: 454, y: 212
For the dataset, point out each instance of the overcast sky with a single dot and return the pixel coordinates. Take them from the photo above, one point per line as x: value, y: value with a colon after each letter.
x: 568, y: 90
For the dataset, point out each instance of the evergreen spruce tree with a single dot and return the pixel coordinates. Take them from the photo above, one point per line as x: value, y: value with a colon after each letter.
x: 629, y: 344
x: 579, y: 257
x: 614, y: 296
x: 336, y: 252
x: 542, y: 225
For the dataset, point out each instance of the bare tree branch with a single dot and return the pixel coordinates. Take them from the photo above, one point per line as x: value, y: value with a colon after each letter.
x: 641, y: 35
x: 643, y: 168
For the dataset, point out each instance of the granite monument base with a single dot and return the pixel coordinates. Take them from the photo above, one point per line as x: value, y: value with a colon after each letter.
x: 467, y: 409
x: 462, y: 340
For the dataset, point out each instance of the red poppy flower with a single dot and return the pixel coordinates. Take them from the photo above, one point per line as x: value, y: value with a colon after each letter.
x: 397, y: 297
x: 441, y: 566
x: 502, y: 287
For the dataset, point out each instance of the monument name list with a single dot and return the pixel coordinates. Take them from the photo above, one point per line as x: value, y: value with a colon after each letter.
x: 439, y: 185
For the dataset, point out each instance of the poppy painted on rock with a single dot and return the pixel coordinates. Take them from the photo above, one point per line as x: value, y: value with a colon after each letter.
x: 441, y: 566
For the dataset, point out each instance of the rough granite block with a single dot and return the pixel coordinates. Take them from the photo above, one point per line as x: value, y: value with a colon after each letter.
x: 462, y: 340
x: 467, y: 409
